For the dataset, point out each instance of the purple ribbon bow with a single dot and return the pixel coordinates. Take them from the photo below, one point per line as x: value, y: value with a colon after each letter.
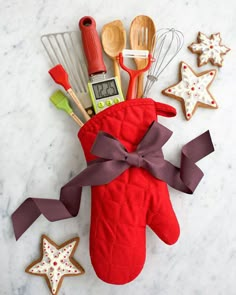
x: 113, y: 160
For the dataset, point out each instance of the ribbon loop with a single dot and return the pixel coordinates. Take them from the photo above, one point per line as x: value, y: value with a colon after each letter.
x: 108, y: 147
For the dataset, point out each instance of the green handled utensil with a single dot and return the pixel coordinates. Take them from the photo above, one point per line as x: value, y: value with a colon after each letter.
x: 60, y: 100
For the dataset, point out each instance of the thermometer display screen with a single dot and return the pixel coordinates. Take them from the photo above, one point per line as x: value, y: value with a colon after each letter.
x: 105, y: 89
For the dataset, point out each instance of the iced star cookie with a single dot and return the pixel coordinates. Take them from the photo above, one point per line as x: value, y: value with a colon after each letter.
x: 56, y: 262
x: 192, y: 90
x: 209, y: 49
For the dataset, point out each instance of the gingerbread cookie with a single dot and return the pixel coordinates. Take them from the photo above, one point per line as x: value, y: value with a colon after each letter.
x: 192, y: 90
x: 56, y: 262
x: 209, y: 49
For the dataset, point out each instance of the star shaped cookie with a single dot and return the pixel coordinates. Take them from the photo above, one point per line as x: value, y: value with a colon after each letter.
x: 56, y: 262
x: 209, y: 49
x: 192, y: 90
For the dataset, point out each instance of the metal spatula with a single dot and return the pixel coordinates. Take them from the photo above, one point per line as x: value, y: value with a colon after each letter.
x: 65, y: 49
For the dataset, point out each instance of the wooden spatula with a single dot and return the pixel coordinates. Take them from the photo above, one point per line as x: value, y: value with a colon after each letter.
x: 142, y: 37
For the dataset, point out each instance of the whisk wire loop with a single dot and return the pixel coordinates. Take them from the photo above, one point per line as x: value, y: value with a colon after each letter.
x: 168, y: 43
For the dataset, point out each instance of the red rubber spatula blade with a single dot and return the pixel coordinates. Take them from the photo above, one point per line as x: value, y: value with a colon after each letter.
x: 60, y: 76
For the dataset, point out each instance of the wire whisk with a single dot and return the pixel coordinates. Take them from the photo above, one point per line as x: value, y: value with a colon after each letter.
x: 168, y: 44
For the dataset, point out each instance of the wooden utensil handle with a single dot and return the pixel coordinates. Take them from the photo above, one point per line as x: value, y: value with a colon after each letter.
x: 117, y: 70
x: 76, y: 119
x: 140, y: 86
x: 78, y: 103
x: 92, y: 46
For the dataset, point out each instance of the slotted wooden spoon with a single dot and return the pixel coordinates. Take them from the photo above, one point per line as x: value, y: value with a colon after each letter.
x: 113, y: 42
x: 142, y: 37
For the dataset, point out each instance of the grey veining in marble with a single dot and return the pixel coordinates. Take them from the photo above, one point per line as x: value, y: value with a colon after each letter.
x: 40, y: 151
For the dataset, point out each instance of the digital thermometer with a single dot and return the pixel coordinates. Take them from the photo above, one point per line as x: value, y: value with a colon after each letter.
x: 105, y: 93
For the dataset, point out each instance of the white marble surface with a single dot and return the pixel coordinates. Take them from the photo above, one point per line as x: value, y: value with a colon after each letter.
x: 39, y: 151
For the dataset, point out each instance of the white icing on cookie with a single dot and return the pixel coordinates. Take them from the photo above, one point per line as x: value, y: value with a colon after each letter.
x: 209, y: 49
x: 55, y: 263
x: 193, y: 89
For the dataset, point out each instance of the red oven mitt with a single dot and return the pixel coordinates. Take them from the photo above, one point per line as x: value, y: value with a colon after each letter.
x: 122, y: 208
x: 125, y: 195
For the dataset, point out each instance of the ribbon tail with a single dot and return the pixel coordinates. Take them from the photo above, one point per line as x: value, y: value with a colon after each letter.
x: 199, y: 147
x: 192, y: 152
x: 168, y: 173
x: 100, y: 172
x: 54, y: 210
x: 187, y: 177
x: 24, y: 216
x: 68, y: 205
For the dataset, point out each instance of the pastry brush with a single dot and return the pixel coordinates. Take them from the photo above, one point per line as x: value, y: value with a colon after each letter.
x: 60, y: 101
x: 60, y: 76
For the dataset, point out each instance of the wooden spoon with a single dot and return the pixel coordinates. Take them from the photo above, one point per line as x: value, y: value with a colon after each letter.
x: 113, y: 42
x: 142, y: 37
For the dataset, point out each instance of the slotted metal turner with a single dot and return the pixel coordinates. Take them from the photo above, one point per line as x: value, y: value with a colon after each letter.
x: 65, y: 49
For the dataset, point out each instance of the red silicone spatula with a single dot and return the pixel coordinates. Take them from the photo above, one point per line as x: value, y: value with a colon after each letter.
x: 60, y: 76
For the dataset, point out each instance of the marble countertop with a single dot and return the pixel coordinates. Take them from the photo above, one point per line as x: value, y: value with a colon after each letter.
x: 40, y: 151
